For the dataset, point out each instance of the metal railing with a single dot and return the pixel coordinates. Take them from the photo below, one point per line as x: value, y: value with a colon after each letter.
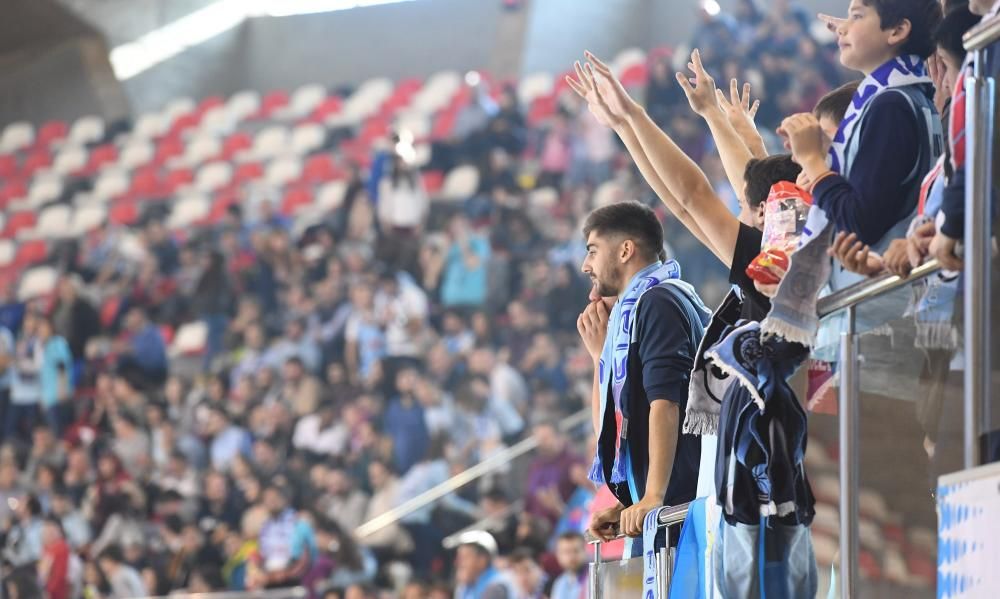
x: 487, y: 466
x: 668, y: 518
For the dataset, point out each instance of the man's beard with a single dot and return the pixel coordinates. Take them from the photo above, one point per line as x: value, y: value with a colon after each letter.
x: 610, y: 286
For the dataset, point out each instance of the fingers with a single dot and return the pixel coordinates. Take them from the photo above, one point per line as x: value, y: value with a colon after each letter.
x: 746, y: 95
x: 600, y: 66
x: 575, y: 86
x: 754, y: 108
x: 685, y: 84
x: 723, y: 101
x: 698, y: 68
x: 582, y: 76
x: 734, y: 93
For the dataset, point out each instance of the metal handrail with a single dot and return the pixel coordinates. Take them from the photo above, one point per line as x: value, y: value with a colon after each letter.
x: 461, y: 479
x: 671, y: 516
x: 873, y: 288
x: 982, y: 35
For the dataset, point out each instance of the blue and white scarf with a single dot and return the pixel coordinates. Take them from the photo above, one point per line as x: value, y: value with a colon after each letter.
x: 614, y: 356
x: 793, y: 312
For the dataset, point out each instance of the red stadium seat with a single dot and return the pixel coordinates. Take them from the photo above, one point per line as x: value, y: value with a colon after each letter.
x: 220, y: 206
x: 236, y: 143
x: 167, y: 332
x: 295, y: 199
x: 373, y: 129
x: 433, y: 181
x: 18, y: 222
x: 177, y: 178
x: 248, y: 171
x: 100, y: 156
x: 444, y: 124
x: 635, y: 75
x: 50, y: 132
x: 12, y: 190
x: 542, y: 109
x: 124, y: 212
x: 272, y: 102
x: 30, y: 252
x: 169, y: 147
x: 8, y: 166
x: 183, y: 123
x: 328, y: 107
x: 146, y: 183
x: 38, y: 159
x: 320, y: 169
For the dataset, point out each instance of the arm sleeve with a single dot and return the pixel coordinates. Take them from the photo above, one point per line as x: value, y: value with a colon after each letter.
x: 665, y: 346
x: 953, y: 205
x: 748, y: 242
x: 871, y: 201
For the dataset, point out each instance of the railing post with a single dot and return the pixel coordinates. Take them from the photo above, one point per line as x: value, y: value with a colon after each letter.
x: 978, y: 224
x: 595, y: 574
x: 850, y: 387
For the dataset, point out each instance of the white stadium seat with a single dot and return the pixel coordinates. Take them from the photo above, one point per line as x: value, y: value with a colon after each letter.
x: 305, y: 99
x: 535, y: 86
x: 44, y: 189
x: 242, y: 105
x: 188, y: 210
x: 149, y: 126
x: 331, y: 196
x: 626, y: 59
x: 461, y: 183
x: 212, y: 176
x: 37, y: 282
x: 270, y: 142
x: 283, y: 171
x: 86, y: 130
x: 136, y: 153
x: 88, y: 217
x: 178, y: 107
x: 190, y: 339
x: 216, y: 121
x: 16, y: 136
x: 69, y: 160
x: 202, y: 148
x: 110, y: 184
x: 437, y: 92
x: 414, y: 122
x: 307, y: 138
x: 55, y: 222
x: 8, y: 249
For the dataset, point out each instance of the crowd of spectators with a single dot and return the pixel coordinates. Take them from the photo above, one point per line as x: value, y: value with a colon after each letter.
x: 346, y: 368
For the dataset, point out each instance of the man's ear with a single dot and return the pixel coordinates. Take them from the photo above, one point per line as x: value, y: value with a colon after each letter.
x: 900, y: 32
x: 626, y: 250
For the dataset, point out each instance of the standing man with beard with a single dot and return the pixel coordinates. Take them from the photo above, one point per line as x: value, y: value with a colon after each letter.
x: 642, y: 330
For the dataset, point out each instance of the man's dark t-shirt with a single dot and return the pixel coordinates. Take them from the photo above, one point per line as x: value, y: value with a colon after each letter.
x: 755, y: 304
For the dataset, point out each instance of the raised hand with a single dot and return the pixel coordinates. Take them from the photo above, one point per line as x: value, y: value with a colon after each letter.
x: 832, y: 23
x: 804, y: 137
x: 611, y: 89
x: 702, y: 94
x: 740, y: 114
x: 585, y: 87
x: 855, y: 256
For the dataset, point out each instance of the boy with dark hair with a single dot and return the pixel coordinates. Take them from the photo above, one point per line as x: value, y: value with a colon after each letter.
x: 643, y: 351
x: 868, y: 184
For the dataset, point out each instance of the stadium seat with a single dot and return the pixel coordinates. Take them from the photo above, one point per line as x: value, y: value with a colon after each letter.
x: 242, y: 105
x: 177, y: 108
x: 8, y: 166
x: 419, y: 125
x: 190, y: 339
x: 55, y: 222
x: 308, y: 138
x: 184, y: 123
x: 37, y: 282
x: 305, y: 99
x: 219, y: 208
x: 236, y: 143
x: 636, y: 75
x: 542, y: 109
x: 216, y: 121
x: 123, y: 212
x: 16, y: 136
x: 52, y: 132
x: 271, y: 103
x: 36, y: 161
x: 433, y: 181
x: 329, y: 107
x: 436, y: 93
x: 101, y: 156
x: 149, y: 126
x: 331, y: 196
x: 188, y: 211
x: 110, y: 184
x: 535, y: 86
x: 626, y: 59
x: 87, y: 218
x: 177, y: 179
x: 212, y: 176
x: 168, y: 148
x: 248, y: 171
x: 295, y: 200
x: 270, y: 142
x: 44, y: 189
x: 209, y: 103
x: 12, y: 191
x: 137, y: 153
x: 167, y: 332
x: 146, y: 182
x: 8, y: 250
x: 69, y: 160
x: 320, y: 169
x: 30, y: 252
x: 86, y: 130
x: 202, y: 148
x: 460, y: 184
x: 283, y: 171
x: 872, y: 505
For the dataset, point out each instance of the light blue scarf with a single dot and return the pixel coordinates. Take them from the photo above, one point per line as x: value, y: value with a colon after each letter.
x: 614, y: 355
x: 793, y: 310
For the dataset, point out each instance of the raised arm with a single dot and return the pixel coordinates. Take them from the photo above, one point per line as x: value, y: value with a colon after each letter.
x: 608, y: 108
x: 684, y: 179
x: 741, y: 116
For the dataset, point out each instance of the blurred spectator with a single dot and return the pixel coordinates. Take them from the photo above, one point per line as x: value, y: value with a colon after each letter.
x: 342, y: 502
x: 23, y: 543
x: 75, y: 318
x: 549, y: 481
x: 464, y: 281
x: 476, y: 576
x: 404, y: 423
x: 212, y: 301
x: 123, y: 579
x: 571, y: 551
x: 144, y: 356
x: 287, y: 542
x: 529, y: 578
x: 54, y: 569
x: 25, y: 389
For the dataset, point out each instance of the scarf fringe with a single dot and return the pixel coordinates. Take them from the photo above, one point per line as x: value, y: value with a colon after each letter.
x: 941, y: 335
x: 775, y: 327
x: 701, y: 423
